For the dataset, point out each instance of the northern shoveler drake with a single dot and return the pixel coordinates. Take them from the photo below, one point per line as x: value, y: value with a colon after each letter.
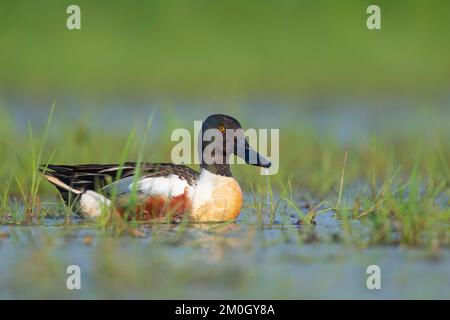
x: 164, y: 190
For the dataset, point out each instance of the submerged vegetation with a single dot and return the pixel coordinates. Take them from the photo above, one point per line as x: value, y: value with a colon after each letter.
x: 363, y: 118
x: 396, y: 188
x: 332, y: 197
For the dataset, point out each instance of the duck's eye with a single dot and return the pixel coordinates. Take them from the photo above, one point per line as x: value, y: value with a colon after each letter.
x: 222, y: 128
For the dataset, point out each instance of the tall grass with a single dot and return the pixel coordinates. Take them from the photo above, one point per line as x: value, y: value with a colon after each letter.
x: 28, y: 188
x: 400, y: 198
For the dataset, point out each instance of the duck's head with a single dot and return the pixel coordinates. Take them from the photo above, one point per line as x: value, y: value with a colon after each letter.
x: 222, y: 136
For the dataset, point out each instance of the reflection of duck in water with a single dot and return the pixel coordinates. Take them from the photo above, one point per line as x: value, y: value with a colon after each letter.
x: 165, y: 190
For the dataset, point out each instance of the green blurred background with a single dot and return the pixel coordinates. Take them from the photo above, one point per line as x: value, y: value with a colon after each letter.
x: 311, y: 68
x: 224, y: 49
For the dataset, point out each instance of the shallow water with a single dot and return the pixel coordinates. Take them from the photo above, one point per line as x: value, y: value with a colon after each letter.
x: 343, y: 118
x: 237, y: 260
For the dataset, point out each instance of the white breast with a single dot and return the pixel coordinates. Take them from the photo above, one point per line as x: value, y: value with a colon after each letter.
x: 206, y: 185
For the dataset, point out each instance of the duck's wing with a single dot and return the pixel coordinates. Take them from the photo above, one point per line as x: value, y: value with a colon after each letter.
x: 77, y: 179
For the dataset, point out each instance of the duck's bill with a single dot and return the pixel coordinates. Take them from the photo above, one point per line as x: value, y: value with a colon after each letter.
x: 251, y: 156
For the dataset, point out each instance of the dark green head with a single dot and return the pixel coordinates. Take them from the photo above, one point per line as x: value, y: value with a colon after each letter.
x: 222, y: 136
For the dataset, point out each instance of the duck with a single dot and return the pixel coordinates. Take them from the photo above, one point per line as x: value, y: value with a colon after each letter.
x: 163, y: 191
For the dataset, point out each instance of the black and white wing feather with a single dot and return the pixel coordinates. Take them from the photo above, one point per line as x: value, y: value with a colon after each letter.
x: 77, y: 179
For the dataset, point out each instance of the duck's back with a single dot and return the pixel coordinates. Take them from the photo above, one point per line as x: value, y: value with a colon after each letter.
x: 162, y: 189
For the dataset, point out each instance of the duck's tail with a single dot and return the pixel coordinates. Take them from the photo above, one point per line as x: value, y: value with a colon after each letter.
x: 62, y: 181
x: 88, y: 202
